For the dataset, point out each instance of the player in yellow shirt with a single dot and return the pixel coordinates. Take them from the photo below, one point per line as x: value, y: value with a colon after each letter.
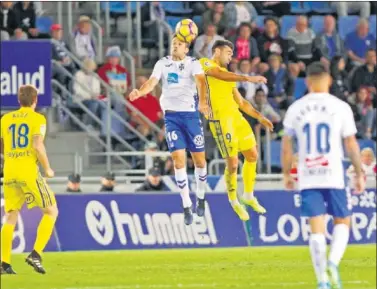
x: 22, y: 135
x: 230, y: 129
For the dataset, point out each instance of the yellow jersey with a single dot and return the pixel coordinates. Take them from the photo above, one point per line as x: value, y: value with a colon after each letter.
x: 17, y: 131
x: 220, y: 93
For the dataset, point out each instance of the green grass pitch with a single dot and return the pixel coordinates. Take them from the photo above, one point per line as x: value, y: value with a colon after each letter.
x: 259, y: 268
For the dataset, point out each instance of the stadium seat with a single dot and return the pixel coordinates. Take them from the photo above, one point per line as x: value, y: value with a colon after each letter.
x: 43, y: 24
x: 119, y: 7
x: 367, y: 143
x: 298, y: 7
x: 274, y: 153
x: 198, y: 19
x: 316, y: 23
x: 372, y: 25
x: 346, y: 25
x: 260, y: 21
x: 300, y: 88
x: 321, y: 7
x: 175, y: 8
x: 287, y: 22
x: 173, y: 20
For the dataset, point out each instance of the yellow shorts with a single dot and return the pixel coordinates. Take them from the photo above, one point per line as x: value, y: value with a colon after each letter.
x: 34, y: 191
x: 232, y: 135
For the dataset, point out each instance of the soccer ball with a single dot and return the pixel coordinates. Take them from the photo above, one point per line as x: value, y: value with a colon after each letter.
x: 186, y: 30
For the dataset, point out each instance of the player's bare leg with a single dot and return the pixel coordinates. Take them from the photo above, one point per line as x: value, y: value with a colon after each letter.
x: 179, y: 160
x: 341, y: 233
x: 45, y: 229
x: 249, y: 173
x: 318, y: 247
x: 6, y: 241
x: 231, y: 185
x: 201, y: 181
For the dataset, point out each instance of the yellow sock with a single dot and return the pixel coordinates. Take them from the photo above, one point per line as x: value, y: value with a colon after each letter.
x: 44, y: 233
x: 249, y: 173
x: 6, y: 242
x: 231, y: 185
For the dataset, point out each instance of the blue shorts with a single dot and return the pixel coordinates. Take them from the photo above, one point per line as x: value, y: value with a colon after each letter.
x: 184, y: 130
x: 335, y: 202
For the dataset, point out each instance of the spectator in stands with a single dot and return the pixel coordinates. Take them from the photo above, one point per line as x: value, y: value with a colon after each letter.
x: 365, y: 110
x: 201, y: 7
x: 239, y: 12
x: 233, y: 65
x: 107, y: 182
x: 9, y: 25
x: 365, y: 75
x: 329, y: 41
x: 73, y: 185
x: 148, y: 105
x: 280, y: 84
x: 60, y: 55
x: 302, y: 50
x: 368, y: 163
x: 245, y: 46
x: 151, y: 12
x: 87, y: 89
x: 203, y: 44
x: 244, y: 68
x: 153, y: 182
x: 271, y: 42
x: 262, y: 104
x: 359, y: 42
x: 116, y: 75
x: 343, y: 8
x: 279, y: 8
x: 216, y: 16
x: 340, y: 85
x: 26, y: 18
x: 83, y: 42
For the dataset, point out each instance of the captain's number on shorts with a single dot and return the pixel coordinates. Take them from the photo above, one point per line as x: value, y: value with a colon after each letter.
x: 20, y: 137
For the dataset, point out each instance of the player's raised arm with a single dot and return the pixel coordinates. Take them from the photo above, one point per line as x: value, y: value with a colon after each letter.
x: 216, y: 72
x: 247, y: 108
x: 149, y: 85
x: 40, y: 149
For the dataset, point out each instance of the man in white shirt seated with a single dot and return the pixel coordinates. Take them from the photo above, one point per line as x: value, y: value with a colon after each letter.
x: 203, y: 44
x: 83, y: 42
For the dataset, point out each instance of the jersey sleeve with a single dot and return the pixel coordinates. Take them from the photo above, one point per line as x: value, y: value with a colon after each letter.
x: 207, y: 64
x: 348, y: 123
x: 157, y: 70
x: 39, y: 126
x: 288, y: 122
x: 196, y: 68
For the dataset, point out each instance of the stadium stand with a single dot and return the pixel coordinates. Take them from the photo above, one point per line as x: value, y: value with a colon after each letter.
x: 347, y: 24
x: 287, y: 22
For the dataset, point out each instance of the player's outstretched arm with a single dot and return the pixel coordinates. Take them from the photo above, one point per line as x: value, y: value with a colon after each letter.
x: 146, y: 88
x: 216, y: 72
x: 40, y: 149
x: 286, y: 161
x: 200, y: 81
x: 247, y: 108
x: 353, y: 151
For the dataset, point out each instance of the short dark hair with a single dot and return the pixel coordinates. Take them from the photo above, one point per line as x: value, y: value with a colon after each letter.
x: 27, y: 94
x: 259, y: 90
x: 271, y: 18
x: 316, y: 69
x: 244, y: 24
x: 221, y: 44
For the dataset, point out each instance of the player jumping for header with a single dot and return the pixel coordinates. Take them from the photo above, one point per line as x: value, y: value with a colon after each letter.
x: 321, y: 122
x: 22, y: 135
x: 230, y: 129
x: 181, y: 76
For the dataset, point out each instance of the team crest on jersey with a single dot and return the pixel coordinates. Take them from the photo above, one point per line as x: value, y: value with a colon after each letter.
x: 199, y: 140
x: 206, y: 63
x: 181, y: 67
x: 29, y: 198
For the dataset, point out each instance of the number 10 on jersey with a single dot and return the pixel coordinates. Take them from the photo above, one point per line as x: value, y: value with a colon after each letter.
x: 321, y: 134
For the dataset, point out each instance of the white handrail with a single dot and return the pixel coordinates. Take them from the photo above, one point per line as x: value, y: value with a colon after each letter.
x: 107, y: 19
x: 132, y: 68
x: 129, y: 26
x: 138, y: 34
x: 100, y: 40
